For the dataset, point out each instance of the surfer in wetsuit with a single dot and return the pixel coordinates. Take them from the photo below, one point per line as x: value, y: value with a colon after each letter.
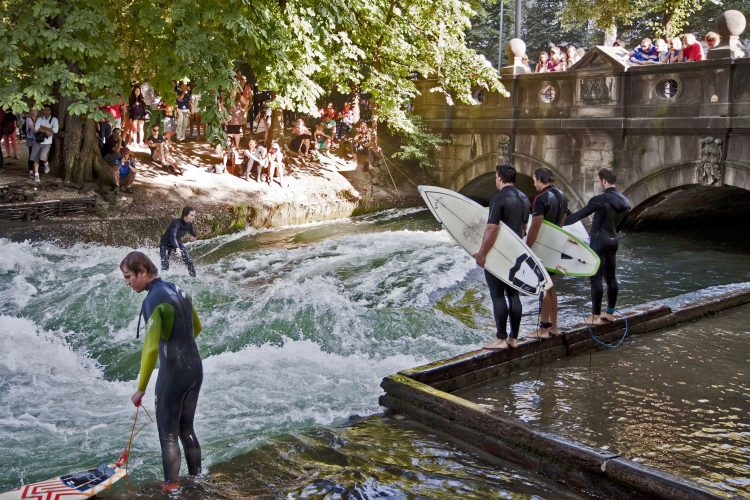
x: 170, y: 240
x: 511, y: 206
x: 174, y: 325
x: 609, y: 209
x: 550, y: 205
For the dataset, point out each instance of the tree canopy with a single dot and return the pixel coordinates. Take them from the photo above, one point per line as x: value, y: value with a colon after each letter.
x: 82, y: 52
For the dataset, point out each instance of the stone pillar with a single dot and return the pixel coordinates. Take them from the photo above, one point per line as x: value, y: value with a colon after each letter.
x: 515, y: 49
x: 729, y: 26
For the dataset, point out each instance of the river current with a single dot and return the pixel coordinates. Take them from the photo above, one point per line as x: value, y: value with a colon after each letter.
x: 300, y: 326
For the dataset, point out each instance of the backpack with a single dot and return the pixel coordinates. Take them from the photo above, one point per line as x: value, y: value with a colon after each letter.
x: 9, y: 123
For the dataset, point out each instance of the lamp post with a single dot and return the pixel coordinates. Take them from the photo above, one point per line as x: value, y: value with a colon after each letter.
x: 517, y: 27
x: 500, y: 45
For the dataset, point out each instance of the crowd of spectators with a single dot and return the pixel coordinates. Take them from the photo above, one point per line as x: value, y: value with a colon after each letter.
x: 685, y: 48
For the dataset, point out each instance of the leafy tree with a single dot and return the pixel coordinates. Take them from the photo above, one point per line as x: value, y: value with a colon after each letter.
x: 655, y: 19
x: 78, y: 53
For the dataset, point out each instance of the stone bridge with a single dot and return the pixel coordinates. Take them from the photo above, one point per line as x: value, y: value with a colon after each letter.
x: 678, y: 136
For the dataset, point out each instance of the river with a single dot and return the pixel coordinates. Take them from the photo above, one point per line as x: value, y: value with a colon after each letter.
x: 300, y: 326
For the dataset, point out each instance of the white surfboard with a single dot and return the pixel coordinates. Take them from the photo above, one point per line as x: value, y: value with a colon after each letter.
x: 579, y: 231
x: 75, y: 486
x: 509, y: 259
x: 563, y: 252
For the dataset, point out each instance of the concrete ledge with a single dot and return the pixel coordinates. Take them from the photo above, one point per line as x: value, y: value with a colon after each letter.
x: 424, y: 393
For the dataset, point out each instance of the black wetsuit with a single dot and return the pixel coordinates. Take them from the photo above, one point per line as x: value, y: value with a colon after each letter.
x: 174, y: 325
x: 609, y: 209
x: 170, y: 241
x: 511, y: 206
x: 551, y: 204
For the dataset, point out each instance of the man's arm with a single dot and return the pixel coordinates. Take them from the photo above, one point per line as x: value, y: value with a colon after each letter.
x: 488, y: 239
x: 582, y: 213
x: 149, y: 355
x: 536, y: 223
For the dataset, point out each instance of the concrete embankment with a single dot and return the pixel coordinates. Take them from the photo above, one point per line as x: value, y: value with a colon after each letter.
x: 426, y: 393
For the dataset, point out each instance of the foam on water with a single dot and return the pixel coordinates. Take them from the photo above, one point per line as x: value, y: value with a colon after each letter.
x: 293, y: 337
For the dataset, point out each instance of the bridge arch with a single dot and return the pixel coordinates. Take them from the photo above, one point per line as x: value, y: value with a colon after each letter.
x: 671, y: 196
x: 476, y: 179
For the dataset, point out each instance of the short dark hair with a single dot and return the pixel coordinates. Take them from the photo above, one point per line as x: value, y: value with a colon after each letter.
x: 506, y: 172
x: 544, y: 175
x: 138, y: 263
x: 608, y: 175
x: 124, y: 150
x: 186, y: 211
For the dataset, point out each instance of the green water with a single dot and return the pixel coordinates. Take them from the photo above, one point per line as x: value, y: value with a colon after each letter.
x: 300, y: 326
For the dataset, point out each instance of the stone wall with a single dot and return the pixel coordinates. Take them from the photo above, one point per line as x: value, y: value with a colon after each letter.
x: 660, y: 127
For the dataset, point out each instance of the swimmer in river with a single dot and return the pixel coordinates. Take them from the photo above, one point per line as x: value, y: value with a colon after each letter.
x: 170, y: 240
x: 510, y: 206
x: 609, y: 209
x: 174, y: 324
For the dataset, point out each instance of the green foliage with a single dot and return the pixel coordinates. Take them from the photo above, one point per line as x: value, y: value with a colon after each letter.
x: 640, y: 18
x: 418, y: 144
x: 298, y: 49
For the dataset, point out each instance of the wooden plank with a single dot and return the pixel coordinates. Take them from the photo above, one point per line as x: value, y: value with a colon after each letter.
x: 653, y: 482
x: 549, y: 453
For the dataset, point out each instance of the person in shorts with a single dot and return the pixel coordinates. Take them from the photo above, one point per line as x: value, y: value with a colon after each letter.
x: 46, y: 127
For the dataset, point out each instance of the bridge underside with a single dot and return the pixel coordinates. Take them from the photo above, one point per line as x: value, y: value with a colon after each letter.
x: 694, y: 206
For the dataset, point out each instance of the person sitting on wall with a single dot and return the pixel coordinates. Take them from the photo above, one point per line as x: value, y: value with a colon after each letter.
x: 322, y: 140
x: 123, y: 169
x: 301, y: 136
x: 230, y: 158
x: 646, y: 53
x: 275, y: 164
x: 160, y: 152
x: 692, y: 49
x: 255, y: 160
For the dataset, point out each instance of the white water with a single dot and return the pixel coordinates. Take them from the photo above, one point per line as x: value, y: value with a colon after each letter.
x: 293, y: 336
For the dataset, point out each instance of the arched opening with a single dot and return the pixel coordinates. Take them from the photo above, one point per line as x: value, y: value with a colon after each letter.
x: 482, y: 188
x: 693, y: 206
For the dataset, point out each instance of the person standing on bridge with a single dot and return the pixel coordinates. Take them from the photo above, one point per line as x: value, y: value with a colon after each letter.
x: 510, y: 206
x: 609, y: 209
x: 550, y: 205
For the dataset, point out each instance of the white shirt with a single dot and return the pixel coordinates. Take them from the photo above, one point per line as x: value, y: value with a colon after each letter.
x: 49, y: 123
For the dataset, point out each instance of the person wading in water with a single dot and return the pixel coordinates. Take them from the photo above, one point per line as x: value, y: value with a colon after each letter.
x: 170, y: 240
x: 174, y: 324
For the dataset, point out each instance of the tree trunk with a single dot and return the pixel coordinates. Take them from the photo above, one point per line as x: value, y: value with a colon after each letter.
x: 610, y: 35
x: 277, y: 125
x: 77, y: 155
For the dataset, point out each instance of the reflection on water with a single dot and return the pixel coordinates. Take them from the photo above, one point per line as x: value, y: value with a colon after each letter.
x: 678, y: 400
x: 300, y: 325
x: 375, y: 458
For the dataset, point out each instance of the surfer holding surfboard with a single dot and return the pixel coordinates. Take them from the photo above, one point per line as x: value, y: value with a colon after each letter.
x: 609, y: 209
x: 509, y: 206
x: 550, y: 205
x: 174, y: 325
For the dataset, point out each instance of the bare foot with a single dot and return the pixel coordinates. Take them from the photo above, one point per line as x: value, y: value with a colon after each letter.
x: 608, y: 317
x: 554, y: 333
x: 513, y: 343
x: 594, y: 320
x: 496, y: 345
x: 539, y: 333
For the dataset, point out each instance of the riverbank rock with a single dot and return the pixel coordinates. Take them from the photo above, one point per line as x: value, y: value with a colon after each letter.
x: 314, y: 188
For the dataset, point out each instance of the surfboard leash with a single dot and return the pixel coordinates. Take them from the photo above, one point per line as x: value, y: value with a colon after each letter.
x: 125, y: 458
x: 601, y: 342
